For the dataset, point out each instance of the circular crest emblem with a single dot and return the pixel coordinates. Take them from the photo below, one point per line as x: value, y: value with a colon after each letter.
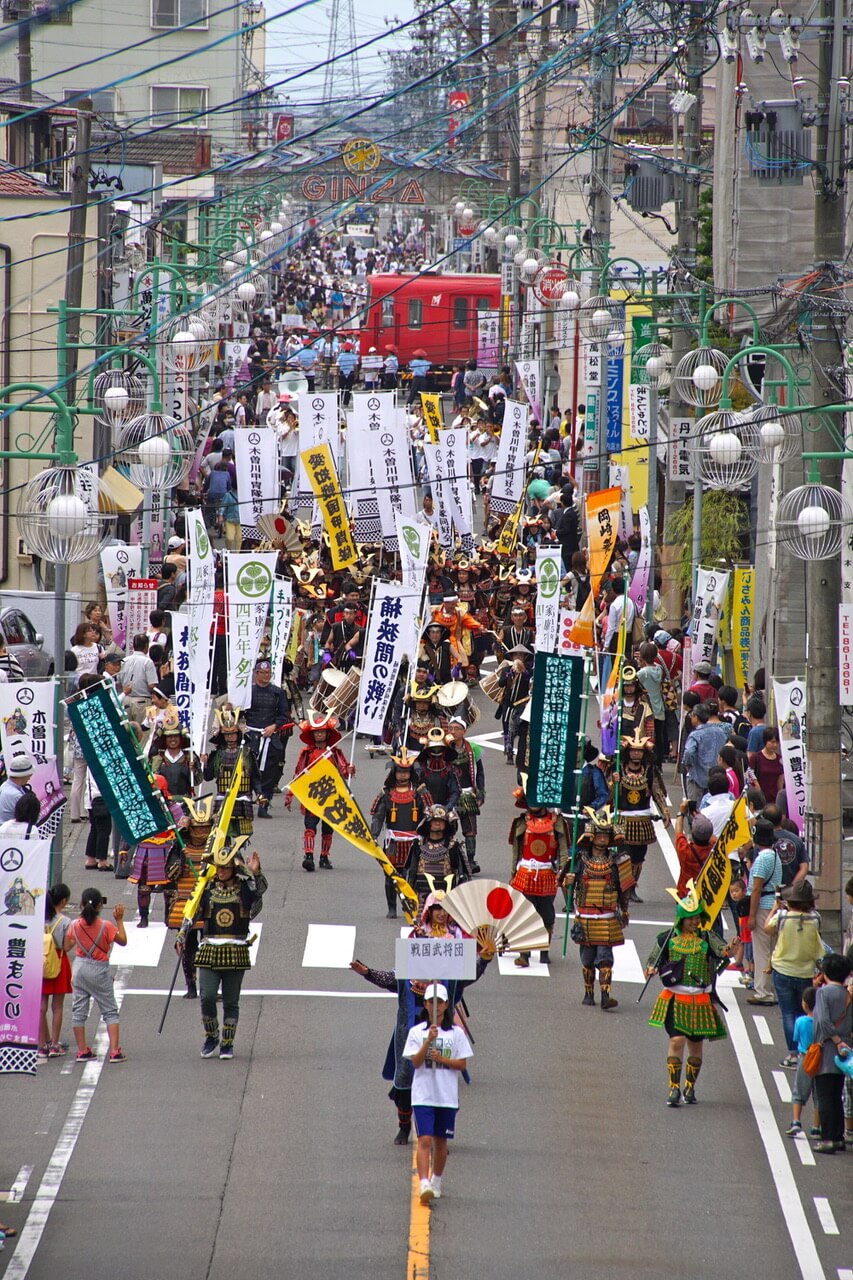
x: 549, y: 579
x: 254, y: 580
x: 360, y: 155
x: 24, y: 696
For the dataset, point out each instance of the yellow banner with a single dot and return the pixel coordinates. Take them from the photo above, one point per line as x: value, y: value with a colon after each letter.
x: 432, y: 414
x: 322, y: 473
x: 743, y: 603
x: 712, y: 883
x: 602, y: 527
x: 216, y: 843
x: 322, y: 791
x: 509, y: 533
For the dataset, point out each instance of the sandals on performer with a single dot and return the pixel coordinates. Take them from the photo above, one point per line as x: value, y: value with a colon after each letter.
x: 90, y: 866
x: 106, y: 866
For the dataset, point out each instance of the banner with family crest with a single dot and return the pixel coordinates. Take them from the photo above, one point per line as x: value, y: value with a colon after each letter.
x: 391, y: 462
x: 549, y: 568
x: 510, y: 465
x: 249, y: 575
x: 711, y: 588
x: 119, y: 564
x: 256, y: 458
x: 371, y: 412
x: 319, y: 423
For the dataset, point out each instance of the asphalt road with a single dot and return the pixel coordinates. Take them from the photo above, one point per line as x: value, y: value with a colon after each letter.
x: 281, y: 1163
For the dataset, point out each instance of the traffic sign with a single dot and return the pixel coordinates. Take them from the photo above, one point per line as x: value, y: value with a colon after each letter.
x: 550, y: 282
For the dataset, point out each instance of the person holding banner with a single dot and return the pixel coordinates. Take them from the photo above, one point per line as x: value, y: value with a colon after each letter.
x: 398, y: 808
x: 688, y: 958
x: 320, y: 735
x: 221, y: 763
x: 540, y: 841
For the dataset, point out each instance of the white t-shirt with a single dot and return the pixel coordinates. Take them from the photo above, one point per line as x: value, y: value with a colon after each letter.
x: 437, y: 1086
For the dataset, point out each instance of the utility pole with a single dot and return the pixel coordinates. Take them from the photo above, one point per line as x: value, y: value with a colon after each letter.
x: 537, y: 132
x: 823, y: 577
x: 25, y: 53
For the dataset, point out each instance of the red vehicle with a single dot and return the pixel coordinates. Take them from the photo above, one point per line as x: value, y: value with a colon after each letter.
x: 433, y: 312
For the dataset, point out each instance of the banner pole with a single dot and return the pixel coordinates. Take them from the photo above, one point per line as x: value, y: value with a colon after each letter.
x: 570, y: 893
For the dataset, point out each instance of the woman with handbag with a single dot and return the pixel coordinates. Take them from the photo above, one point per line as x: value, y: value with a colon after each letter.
x: 795, y: 927
x: 687, y: 958
x: 833, y: 1029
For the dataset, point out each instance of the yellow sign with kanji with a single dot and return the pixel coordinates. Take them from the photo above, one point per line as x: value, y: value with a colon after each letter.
x: 322, y: 791
x: 360, y: 155
x: 713, y: 881
x: 432, y: 414
x: 322, y: 474
x: 509, y: 533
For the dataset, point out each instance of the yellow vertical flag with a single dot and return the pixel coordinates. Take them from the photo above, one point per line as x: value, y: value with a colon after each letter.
x: 216, y: 843
x: 322, y: 473
x: 432, y: 414
x: 509, y: 533
x: 602, y: 526
x: 712, y: 882
x: 740, y: 620
x: 322, y: 791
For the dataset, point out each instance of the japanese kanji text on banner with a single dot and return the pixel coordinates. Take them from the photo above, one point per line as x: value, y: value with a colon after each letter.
x: 554, y: 722
x: 388, y: 632
x: 23, y: 883
x: 323, y: 478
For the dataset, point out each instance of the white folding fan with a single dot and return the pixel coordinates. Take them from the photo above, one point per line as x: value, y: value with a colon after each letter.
x: 281, y: 531
x: 500, y: 918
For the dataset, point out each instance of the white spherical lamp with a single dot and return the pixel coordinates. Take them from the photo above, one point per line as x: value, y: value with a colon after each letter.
x: 116, y: 400
x: 459, y: 208
x: 725, y: 449
x: 229, y: 267
x: 490, y: 235
x: 241, y: 256
x: 772, y: 434
x: 67, y: 515
x: 246, y: 292
x: 530, y: 266
x: 184, y: 343
x: 813, y: 522
x: 655, y: 366
x: 511, y: 242
x: 705, y: 377
x: 467, y: 214
x: 601, y: 318
x: 155, y: 454
x: 276, y: 228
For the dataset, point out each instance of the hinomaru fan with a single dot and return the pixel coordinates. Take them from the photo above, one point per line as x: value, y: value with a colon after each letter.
x: 281, y: 531
x: 500, y: 918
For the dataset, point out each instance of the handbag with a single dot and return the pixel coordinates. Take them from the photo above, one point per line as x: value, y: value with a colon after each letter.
x: 813, y: 1057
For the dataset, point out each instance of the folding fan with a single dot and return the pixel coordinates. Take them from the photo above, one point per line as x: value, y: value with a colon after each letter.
x: 500, y: 918
x: 281, y: 531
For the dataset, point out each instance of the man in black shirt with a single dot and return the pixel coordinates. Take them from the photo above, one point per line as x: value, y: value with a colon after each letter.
x: 267, y: 717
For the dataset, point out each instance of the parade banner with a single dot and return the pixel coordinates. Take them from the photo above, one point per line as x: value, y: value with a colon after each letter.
x: 249, y: 575
x: 549, y: 567
x: 609, y: 696
x: 433, y: 417
x: 323, y: 478
x: 529, y: 374
x: 508, y: 480
x: 713, y: 881
x: 389, y: 628
x: 638, y: 591
x: 414, y: 540
x: 371, y: 411
x: 157, y: 543
x: 322, y: 791
x: 711, y: 588
x: 391, y: 461
x: 201, y: 562
x: 46, y: 786
x: 583, y: 630
x: 615, y: 380
x: 181, y: 663
x: 23, y: 886
x: 141, y: 599
x: 566, y: 646
x: 118, y: 565
x: 207, y: 417
x: 457, y: 487
x: 235, y: 356
x: 845, y: 654
x: 790, y: 699
x: 621, y: 476
x: 110, y: 750
x: 201, y: 567
x: 281, y: 614
x: 488, y: 339
x: 319, y: 423
x: 743, y: 603
x: 602, y: 522
x: 256, y: 458
x: 435, y: 458
x: 509, y: 533
x: 555, y: 708
x: 27, y: 720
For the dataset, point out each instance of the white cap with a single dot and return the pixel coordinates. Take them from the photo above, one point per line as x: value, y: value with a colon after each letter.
x: 435, y: 991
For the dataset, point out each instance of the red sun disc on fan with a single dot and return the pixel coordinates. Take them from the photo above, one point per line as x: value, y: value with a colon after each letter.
x: 280, y: 525
x: 499, y: 902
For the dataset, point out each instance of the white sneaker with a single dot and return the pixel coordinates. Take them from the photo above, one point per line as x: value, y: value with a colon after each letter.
x: 427, y: 1192
x: 436, y: 1187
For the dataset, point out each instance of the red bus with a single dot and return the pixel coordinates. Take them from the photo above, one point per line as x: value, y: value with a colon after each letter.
x: 429, y: 311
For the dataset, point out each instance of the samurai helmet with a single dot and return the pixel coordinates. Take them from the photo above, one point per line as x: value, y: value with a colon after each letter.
x: 200, y: 811
x: 230, y: 852
x: 436, y: 738
x: 636, y: 741
x: 599, y: 822
x: 405, y: 760
x: 629, y: 675
x: 691, y: 906
x: 229, y: 718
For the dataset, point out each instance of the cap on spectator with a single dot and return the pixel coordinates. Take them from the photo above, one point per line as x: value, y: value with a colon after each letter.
x: 702, y: 669
x: 175, y: 541
x: 701, y: 830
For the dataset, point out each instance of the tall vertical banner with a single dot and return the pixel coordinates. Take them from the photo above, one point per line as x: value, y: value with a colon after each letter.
x: 27, y: 712
x: 319, y: 423
x: 414, y: 540
x: 845, y: 654
x: 119, y: 564
x: 182, y: 663
x: 529, y: 374
x: 23, y: 885
x: 508, y: 481
x: 549, y: 567
x: 743, y: 603
x: 281, y: 613
x: 391, y: 461
x: 602, y: 523
x: 488, y: 339
x: 790, y: 699
x: 457, y: 487
x: 711, y: 588
x: 323, y: 478
x: 555, y: 708
x: 615, y: 378
x: 249, y: 576
x: 640, y: 579
x: 199, y: 607
x: 435, y: 458
x: 391, y: 623
x: 371, y: 411
x: 433, y: 418
x: 621, y: 475
x: 256, y: 458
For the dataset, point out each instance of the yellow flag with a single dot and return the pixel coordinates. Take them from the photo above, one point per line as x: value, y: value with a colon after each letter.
x: 432, y: 414
x: 743, y: 594
x: 322, y: 473
x: 217, y: 843
x: 712, y: 882
x: 509, y: 533
x: 322, y: 791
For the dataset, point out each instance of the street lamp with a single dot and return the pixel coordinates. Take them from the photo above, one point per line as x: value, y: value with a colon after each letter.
x: 811, y: 520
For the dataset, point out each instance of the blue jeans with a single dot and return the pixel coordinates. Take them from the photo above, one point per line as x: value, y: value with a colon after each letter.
x: 789, y: 993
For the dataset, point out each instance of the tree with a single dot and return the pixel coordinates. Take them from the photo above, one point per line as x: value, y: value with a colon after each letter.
x: 725, y: 533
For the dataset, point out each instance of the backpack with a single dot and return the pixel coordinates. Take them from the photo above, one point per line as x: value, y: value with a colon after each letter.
x: 52, y: 958
x: 668, y: 688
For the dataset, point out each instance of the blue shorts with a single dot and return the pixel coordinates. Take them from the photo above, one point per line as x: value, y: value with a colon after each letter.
x: 435, y: 1122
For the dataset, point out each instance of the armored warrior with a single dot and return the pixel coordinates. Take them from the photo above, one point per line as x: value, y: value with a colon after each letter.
x: 640, y: 788
x: 437, y: 860
x: 540, y: 840
x: 602, y: 880
x: 398, y: 808
x: 230, y: 746
x: 320, y: 736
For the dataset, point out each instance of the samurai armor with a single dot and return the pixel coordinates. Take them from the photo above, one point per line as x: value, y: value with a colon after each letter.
x: 694, y: 1016
x: 625, y: 871
x: 600, y: 931
x: 535, y: 883
x: 227, y: 955
x: 149, y: 863
x: 639, y: 830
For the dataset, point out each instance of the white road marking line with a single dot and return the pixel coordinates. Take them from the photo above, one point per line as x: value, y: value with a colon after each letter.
x: 33, y: 1229
x: 507, y: 968
x: 668, y: 850
x: 329, y: 946
x: 783, y: 1085
x: 19, y: 1186
x: 47, y: 1117
x: 793, y: 1212
x: 765, y: 1035
x: 626, y: 964
x: 844, y: 1273
x: 804, y: 1151
x: 826, y: 1216
x: 279, y: 991
x: 144, y: 946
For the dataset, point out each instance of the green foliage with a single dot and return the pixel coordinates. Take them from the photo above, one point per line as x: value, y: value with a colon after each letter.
x: 725, y: 533
x: 705, y: 236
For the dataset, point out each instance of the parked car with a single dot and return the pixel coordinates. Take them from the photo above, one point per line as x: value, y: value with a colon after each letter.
x: 26, y: 644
